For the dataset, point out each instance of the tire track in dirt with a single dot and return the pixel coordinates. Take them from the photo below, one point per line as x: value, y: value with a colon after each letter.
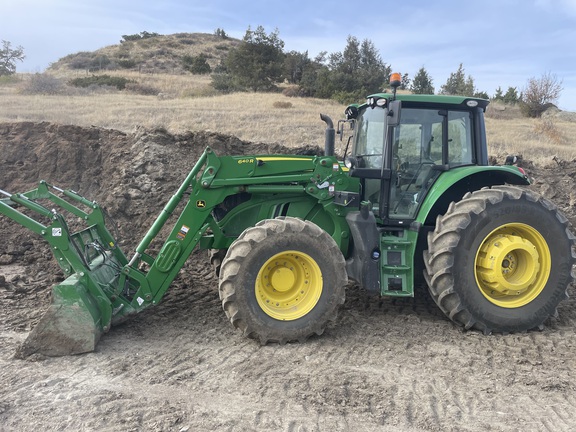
x: 398, y: 377
x: 354, y: 371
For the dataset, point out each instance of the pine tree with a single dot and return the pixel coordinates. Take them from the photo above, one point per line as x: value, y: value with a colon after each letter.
x: 511, y: 97
x: 405, y: 83
x: 458, y: 84
x: 258, y: 61
x: 422, y: 83
x: 498, y: 96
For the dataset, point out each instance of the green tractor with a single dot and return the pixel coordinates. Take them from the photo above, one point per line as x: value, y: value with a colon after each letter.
x: 414, y: 201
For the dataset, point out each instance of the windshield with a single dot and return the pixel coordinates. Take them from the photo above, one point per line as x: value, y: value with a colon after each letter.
x: 369, y: 138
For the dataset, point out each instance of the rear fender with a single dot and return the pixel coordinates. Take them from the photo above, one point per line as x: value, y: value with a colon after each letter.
x: 452, y: 185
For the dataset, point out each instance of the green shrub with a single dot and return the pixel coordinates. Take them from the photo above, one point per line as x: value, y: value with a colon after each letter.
x: 196, y: 64
x: 346, y: 98
x: 224, y: 83
x: 9, y: 79
x: 140, y: 36
x: 101, y: 80
x: 126, y: 64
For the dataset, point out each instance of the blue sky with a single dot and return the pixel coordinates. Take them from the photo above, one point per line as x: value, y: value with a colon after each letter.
x: 500, y: 42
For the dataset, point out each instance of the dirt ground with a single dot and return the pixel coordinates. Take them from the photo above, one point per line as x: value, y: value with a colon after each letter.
x: 385, y: 364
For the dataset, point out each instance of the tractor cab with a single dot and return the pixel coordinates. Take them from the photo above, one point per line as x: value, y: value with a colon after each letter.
x: 403, y: 143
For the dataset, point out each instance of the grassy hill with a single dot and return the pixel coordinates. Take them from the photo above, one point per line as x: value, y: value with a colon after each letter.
x: 162, y: 94
x: 157, y: 54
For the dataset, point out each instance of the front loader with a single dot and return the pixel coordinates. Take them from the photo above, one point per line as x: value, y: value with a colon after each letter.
x: 415, y: 201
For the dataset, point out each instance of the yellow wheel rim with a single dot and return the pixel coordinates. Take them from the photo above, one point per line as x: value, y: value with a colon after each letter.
x: 288, y: 285
x: 512, y: 265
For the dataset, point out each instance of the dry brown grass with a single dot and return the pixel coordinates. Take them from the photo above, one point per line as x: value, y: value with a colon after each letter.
x: 169, y: 85
x: 538, y: 140
x: 249, y: 116
x: 255, y: 116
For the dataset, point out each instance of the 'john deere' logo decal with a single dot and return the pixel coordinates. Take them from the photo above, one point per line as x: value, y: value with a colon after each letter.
x: 200, y: 203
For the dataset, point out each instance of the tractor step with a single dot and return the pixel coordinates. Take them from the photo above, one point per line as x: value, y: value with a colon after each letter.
x: 396, y: 273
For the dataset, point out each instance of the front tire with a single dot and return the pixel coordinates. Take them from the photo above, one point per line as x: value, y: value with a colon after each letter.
x: 216, y: 257
x: 282, y: 280
x: 500, y: 260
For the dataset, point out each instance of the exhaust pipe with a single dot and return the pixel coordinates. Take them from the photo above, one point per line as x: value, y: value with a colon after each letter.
x: 330, y: 137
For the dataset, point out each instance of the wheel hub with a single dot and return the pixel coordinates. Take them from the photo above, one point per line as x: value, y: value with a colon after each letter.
x: 512, y: 265
x: 288, y: 285
x: 282, y: 278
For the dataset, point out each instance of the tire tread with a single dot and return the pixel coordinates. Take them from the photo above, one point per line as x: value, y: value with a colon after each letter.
x: 444, y: 239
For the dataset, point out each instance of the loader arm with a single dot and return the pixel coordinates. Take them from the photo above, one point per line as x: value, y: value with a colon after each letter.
x: 103, y: 287
x: 270, y: 180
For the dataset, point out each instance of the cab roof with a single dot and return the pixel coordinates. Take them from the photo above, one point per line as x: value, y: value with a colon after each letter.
x: 434, y: 99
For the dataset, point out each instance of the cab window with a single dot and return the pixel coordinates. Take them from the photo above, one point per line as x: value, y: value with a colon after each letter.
x: 418, y: 147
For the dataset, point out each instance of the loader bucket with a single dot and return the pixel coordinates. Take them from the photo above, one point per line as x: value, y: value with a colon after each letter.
x: 71, y: 325
x: 81, y: 308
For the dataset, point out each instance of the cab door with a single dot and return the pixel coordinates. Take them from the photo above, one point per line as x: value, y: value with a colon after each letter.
x: 427, y: 142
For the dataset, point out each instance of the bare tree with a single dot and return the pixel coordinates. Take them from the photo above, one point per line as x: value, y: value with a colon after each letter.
x: 8, y: 58
x: 540, y: 93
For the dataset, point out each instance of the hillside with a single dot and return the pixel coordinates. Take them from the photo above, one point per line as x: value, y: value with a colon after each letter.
x: 160, y: 93
x: 157, y: 54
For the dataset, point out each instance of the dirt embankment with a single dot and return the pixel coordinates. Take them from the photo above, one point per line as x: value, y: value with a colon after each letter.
x: 386, y: 364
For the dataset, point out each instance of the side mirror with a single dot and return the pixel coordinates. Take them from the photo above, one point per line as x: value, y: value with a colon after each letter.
x: 351, y: 112
x: 394, y: 110
x: 341, y: 124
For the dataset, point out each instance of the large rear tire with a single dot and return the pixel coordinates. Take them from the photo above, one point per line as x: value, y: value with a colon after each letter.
x: 282, y: 280
x: 500, y: 260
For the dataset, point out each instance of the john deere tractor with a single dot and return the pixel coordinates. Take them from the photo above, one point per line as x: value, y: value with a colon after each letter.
x: 414, y: 201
